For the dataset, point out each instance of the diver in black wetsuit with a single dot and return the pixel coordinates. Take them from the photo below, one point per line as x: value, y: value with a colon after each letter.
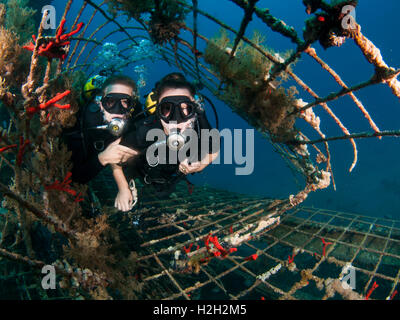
x: 94, y: 141
x: 176, y: 113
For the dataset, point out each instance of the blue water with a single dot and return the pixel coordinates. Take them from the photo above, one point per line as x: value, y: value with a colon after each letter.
x: 373, y: 188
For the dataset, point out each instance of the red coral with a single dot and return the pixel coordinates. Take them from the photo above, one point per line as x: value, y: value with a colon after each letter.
x: 252, y: 257
x: 65, y: 186
x: 51, y: 102
x: 217, y: 250
x: 187, y: 250
x: 79, y: 197
x: 190, y: 187
x: 325, y: 245
x: 55, y: 49
x: 21, y: 151
x: 7, y: 148
x: 374, y: 286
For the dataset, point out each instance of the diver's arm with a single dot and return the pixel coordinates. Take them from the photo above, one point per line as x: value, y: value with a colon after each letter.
x: 213, y: 149
x: 124, y: 198
x: 116, y: 153
x: 85, y: 170
x: 208, y: 159
x: 212, y: 157
x: 119, y: 177
x: 197, y: 166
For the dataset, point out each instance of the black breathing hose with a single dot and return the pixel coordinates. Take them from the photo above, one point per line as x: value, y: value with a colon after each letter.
x: 215, y: 111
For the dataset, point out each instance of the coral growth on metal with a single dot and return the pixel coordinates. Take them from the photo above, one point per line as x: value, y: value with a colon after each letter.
x: 196, y: 242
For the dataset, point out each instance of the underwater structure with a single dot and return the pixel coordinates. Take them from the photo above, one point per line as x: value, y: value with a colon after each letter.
x: 209, y: 244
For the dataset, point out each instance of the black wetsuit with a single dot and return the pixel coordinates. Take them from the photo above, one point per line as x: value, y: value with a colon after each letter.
x: 163, y: 176
x: 86, y: 143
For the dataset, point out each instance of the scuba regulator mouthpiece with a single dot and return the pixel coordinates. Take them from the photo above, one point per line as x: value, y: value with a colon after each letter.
x: 177, y: 137
x: 176, y: 141
x: 116, y: 126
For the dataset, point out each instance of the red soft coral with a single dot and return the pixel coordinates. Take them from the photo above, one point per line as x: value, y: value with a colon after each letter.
x: 55, y: 48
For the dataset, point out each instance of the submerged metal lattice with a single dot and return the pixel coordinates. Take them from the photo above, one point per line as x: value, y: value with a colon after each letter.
x: 186, y: 55
x: 266, y: 248
x: 290, y: 261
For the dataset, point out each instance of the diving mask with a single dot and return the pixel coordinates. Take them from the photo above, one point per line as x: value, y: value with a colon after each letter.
x: 176, y: 108
x: 118, y: 103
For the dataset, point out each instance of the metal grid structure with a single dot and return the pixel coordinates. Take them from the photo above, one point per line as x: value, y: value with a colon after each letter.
x: 281, y: 253
x: 302, y: 229
x: 186, y: 55
x: 290, y: 262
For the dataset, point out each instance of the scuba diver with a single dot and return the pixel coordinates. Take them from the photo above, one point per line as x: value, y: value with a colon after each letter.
x: 111, y: 104
x: 174, y: 112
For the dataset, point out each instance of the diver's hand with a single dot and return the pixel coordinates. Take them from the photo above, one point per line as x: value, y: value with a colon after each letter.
x: 187, y: 168
x: 124, y: 200
x: 116, y: 154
